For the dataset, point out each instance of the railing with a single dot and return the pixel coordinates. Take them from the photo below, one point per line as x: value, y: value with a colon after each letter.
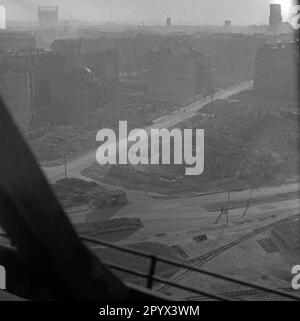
x: 151, y: 276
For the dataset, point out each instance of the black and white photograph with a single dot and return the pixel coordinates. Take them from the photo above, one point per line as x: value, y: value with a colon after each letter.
x: 149, y: 153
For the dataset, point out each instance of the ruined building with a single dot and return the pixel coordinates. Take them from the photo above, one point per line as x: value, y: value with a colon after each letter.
x: 46, y: 85
x: 75, y: 82
x: 15, y: 87
x: 16, y: 72
x: 48, y: 16
x: 277, y: 70
x: 16, y: 41
x: 232, y: 55
x: 178, y: 74
x: 132, y: 50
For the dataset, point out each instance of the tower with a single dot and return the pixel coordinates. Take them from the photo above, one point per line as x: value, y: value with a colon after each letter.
x: 169, y: 22
x: 48, y: 15
x: 2, y: 18
x: 227, y: 25
x: 275, y: 20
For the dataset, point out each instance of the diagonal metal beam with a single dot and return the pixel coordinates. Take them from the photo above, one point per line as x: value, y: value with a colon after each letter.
x: 36, y: 223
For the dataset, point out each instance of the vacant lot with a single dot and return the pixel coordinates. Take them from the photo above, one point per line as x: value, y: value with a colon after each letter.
x: 75, y: 133
x: 248, y: 143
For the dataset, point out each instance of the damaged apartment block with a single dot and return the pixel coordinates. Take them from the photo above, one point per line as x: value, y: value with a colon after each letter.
x: 178, y: 74
x: 75, y: 77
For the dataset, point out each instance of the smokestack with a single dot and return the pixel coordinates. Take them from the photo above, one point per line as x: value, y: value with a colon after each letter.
x: 169, y: 22
x: 275, y: 16
x: 227, y: 24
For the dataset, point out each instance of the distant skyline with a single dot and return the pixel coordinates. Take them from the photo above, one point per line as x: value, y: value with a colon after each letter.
x: 202, y: 12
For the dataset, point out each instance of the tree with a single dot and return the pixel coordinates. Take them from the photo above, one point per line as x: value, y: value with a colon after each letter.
x: 211, y: 91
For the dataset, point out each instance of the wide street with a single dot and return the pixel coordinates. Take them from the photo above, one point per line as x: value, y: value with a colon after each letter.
x: 75, y: 167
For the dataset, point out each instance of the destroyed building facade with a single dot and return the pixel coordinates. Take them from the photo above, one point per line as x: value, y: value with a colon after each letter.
x: 71, y: 77
x: 16, y: 82
x: 178, y: 74
x: 276, y: 71
x: 48, y: 15
x: 16, y: 41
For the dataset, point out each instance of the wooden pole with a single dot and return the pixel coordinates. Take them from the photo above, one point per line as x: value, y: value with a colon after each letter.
x: 66, y: 170
x: 228, y: 204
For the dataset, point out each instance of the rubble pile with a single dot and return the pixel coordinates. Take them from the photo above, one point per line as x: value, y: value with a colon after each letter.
x: 74, y: 192
x: 59, y: 142
x: 53, y: 143
x: 249, y: 142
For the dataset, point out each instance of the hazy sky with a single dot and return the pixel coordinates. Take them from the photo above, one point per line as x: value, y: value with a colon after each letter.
x: 196, y: 11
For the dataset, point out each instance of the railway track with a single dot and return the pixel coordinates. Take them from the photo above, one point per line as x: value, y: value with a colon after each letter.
x: 203, y: 259
x: 236, y: 294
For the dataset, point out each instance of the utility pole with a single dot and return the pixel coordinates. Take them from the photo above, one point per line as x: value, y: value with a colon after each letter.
x: 228, y: 204
x: 65, y: 161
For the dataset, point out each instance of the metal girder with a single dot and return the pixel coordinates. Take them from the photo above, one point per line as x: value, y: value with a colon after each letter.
x: 37, y: 225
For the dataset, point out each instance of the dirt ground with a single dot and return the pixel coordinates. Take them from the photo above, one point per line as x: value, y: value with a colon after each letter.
x: 74, y: 193
x: 249, y: 143
x: 74, y: 133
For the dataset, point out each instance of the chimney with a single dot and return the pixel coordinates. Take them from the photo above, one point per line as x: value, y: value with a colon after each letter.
x: 275, y: 16
x: 227, y: 24
x: 169, y: 22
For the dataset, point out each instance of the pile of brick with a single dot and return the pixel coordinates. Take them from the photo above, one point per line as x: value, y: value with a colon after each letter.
x: 109, y: 225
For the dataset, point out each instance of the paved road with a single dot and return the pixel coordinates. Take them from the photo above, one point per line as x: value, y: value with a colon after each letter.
x: 193, y: 206
x: 76, y: 166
